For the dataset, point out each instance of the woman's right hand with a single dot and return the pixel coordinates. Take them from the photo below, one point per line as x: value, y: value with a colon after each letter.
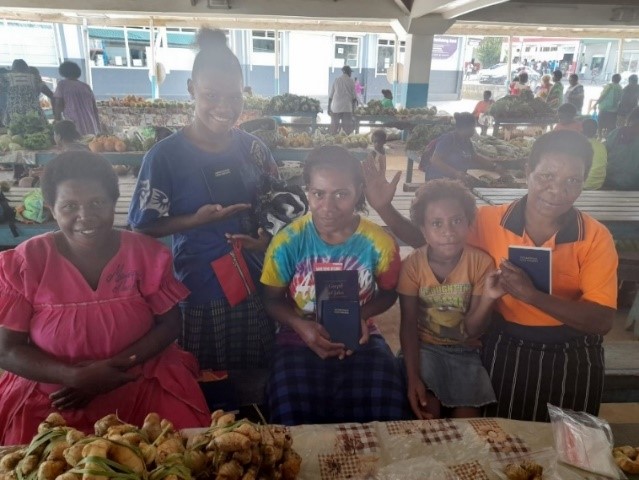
x: 210, y: 213
x: 379, y: 191
x: 418, y: 399
x: 318, y: 339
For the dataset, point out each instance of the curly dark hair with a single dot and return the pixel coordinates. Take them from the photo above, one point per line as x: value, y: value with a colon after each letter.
x: 442, y: 189
x: 333, y: 156
x: 565, y: 142
x: 70, y: 70
x: 78, y: 165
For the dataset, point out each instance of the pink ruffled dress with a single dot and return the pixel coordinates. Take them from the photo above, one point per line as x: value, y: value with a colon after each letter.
x: 42, y: 293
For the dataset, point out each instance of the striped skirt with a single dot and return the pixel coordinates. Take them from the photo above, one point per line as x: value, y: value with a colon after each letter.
x: 527, y: 375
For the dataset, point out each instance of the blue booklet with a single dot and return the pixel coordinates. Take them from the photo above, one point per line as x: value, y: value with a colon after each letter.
x: 337, y: 305
x: 536, y: 262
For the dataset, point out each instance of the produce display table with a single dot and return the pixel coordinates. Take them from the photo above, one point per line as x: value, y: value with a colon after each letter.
x: 436, y: 449
x: 116, y: 119
x: 540, y: 122
x: 300, y: 154
x: 291, y: 115
x: 25, y: 157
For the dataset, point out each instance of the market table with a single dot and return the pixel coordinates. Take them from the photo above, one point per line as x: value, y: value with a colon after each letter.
x: 399, y: 122
x: 436, y: 449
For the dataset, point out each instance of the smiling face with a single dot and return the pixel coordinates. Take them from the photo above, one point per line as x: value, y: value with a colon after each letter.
x: 555, y: 184
x: 445, y: 228
x: 218, y: 100
x: 332, y: 197
x: 84, y: 212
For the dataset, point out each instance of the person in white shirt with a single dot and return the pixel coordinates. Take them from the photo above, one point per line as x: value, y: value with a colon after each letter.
x: 341, y: 101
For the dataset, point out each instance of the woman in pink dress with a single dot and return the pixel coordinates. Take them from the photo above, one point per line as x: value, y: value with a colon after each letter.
x: 89, y: 316
x: 75, y: 100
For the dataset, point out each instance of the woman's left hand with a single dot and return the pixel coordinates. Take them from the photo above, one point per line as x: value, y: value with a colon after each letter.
x: 259, y: 244
x: 516, y: 282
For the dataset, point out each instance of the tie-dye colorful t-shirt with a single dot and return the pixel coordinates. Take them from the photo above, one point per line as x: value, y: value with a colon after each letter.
x: 298, y: 250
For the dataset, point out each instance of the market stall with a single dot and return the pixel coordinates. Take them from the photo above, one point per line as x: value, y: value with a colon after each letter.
x: 524, y: 110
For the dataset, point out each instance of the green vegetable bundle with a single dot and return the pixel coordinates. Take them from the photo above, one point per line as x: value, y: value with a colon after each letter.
x: 522, y: 107
x: 26, y: 124
x: 289, y: 103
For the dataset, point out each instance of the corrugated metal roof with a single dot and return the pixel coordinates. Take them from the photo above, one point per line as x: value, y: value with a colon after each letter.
x: 175, y: 39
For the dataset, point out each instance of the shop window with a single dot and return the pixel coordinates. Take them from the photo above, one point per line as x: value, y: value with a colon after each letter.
x: 263, y: 41
x: 346, y: 51
x: 385, y: 55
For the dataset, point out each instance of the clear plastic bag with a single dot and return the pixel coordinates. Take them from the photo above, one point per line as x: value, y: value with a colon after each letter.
x: 584, y: 441
x: 414, y: 469
x: 546, y: 458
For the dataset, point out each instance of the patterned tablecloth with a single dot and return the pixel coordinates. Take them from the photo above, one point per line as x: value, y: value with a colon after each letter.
x: 476, y: 449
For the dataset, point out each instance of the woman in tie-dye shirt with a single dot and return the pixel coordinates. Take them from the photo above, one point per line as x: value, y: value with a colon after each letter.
x: 314, y: 379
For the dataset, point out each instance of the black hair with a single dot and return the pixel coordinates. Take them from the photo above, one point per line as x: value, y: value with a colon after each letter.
x: 66, y: 130
x: 464, y: 120
x: 557, y: 75
x: 379, y: 135
x: 70, y: 70
x: 565, y: 142
x: 214, y: 53
x: 633, y: 118
x: 589, y: 127
x: 347, y: 70
x: 442, y: 189
x: 633, y: 78
x: 567, y: 111
x: 338, y: 158
x: 573, y: 76
x: 616, y: 78
x: 487, y: 94
x: 387, y: 93
x: 523, y: 77
x: 19, y: 65
x: 78, y: 165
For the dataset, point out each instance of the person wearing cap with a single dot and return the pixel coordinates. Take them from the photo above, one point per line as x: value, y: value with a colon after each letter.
x: 454, y: 153
x: 341, y: 101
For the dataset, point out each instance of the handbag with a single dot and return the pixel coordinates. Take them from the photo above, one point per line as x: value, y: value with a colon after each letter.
x: 233, y: 274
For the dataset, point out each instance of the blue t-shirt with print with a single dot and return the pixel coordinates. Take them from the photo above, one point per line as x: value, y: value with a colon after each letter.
x: 454, y: 152
x: 175, y: 180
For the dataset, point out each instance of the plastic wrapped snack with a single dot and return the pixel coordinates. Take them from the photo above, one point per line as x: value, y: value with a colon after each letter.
x: 584, y: 441
x: 539, y: 465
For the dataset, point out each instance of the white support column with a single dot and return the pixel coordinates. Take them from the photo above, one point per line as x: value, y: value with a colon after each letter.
x: 416, y: 72
x: 620, y: 55
x: 152, y: 63
x: 510, y: 57
x: 277, y: 62
x: 87, y: 53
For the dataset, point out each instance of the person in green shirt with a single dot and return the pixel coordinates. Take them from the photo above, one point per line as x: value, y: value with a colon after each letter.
x: 597, y: 173
x: 387, y: 101
x: 608, y: 104
x: 622, y: 145
x: 556, y: 95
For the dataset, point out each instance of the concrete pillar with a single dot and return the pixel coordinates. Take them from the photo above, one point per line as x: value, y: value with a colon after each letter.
x: 413, y: 86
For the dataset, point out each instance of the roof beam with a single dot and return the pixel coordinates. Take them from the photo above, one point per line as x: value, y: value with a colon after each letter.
x: 463, y: 7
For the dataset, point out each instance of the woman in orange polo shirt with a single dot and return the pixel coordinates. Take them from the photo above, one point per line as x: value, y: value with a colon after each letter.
x: 541, y: 348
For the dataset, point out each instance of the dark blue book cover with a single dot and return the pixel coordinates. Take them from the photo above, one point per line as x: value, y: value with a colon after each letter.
x: 536, y: 262
x: 337, y: 305
x: 341, y: 319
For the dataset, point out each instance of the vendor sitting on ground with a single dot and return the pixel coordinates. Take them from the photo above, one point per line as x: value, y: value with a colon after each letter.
x: 622, y: 144
x: 454, y: 153
x: 89, y: 316
x: 315, y: 379
x: 67, y: 137
x: 387, y: 101
x: 567, y: 113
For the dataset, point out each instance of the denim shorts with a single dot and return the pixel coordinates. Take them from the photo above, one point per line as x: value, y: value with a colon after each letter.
x: 456, y: 375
